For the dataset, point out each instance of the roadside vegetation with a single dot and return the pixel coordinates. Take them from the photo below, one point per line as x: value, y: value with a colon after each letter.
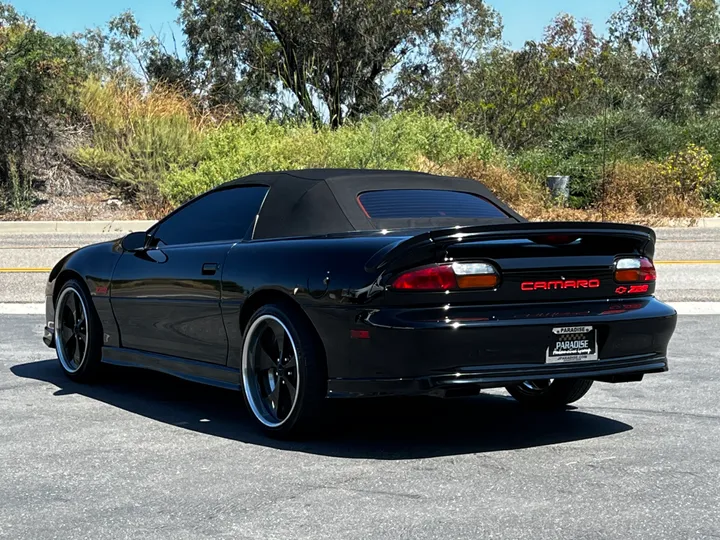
x: 633, y: 117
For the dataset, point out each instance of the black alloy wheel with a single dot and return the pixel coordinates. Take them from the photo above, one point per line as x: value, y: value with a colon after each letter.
x: 283, y: 371
x: 76, y: 332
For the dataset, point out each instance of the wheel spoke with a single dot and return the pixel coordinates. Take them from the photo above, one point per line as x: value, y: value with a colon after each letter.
x: 68, y: 317
x: 290, y: 385
x: 279, y: 334
x: 82, y: 341
x: 77, y: 353
x: 78, y: 307
x: 66, y: 334
x: 71, y: 304
x: 70, y: 347
x: 266, y: 353
x: 275, y: 399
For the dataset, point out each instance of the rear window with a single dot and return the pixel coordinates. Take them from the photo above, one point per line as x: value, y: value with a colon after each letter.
x: 426, y: 203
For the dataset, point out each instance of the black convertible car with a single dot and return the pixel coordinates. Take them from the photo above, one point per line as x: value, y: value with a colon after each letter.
x: 298, y: 286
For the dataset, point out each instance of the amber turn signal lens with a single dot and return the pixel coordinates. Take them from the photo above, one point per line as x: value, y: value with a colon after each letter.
x: 488, y: 281
x: 627, y: 276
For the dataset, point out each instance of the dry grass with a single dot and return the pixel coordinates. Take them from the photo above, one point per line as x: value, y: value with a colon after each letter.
x: 520, y: 191
x: 138, y: 136
x: 632, y: 195
x: 646, y: 189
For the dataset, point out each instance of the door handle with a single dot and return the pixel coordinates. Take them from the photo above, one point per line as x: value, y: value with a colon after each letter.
x: 209, y: 269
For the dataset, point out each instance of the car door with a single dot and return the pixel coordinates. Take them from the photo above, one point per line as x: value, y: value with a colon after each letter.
x: 166, y: 298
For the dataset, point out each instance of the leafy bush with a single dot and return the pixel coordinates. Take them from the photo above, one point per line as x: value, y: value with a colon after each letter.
x: 137, y: 137
x: 39, y: 76
x: 400, y: 142
x: 690, y: 171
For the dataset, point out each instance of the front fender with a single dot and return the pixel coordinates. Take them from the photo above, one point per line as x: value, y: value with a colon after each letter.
x: 93, y: 266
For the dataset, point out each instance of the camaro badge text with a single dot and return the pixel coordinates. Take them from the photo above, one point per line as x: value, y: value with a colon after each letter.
x: 560, y: 284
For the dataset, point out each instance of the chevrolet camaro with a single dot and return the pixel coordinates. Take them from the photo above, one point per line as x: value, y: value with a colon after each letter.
x: 295, y: 287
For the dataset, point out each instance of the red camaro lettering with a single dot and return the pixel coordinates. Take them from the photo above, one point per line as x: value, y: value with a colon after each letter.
x: 555, y: 285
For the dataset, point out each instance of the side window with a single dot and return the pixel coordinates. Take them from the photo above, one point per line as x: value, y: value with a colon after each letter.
x: 221, y: 215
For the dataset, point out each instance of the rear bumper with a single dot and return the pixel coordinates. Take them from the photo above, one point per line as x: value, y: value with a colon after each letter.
x: 420, y: 349
x: 449, y: 384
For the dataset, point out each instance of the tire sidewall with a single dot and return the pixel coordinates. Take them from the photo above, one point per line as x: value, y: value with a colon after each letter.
x: 90, y: 364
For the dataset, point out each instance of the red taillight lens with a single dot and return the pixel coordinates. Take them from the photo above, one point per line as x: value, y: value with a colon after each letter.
x: 432, y: 278
x: 444, y: 277
x: 635, y: 270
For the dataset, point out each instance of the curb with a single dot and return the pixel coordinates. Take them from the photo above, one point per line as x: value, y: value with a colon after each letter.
x: 87, y: 227
x: 708, y: 222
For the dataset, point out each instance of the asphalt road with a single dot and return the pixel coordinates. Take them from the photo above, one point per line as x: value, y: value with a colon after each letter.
x: 680, y: 255
x: 142, y: 455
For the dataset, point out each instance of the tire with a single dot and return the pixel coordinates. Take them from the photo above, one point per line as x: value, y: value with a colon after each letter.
x: 80, y: 355
x: 268, y: 379
x: 550, y: 394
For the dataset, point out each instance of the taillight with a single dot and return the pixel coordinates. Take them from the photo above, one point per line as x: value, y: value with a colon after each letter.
x: 431, y: 278
x: 475, y: 275
x: 635, y: 270
x: 444, y: 277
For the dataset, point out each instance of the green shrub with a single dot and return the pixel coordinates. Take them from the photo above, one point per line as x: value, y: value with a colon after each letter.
x: 588, y: 147
x: 400, y: 142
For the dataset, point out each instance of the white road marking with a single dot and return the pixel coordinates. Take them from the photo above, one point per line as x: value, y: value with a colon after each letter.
x: 10, y: 308
x: 683, y: 308
x: 696, y: 308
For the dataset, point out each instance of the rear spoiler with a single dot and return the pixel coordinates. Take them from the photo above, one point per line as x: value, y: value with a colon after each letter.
x: 418, y: 247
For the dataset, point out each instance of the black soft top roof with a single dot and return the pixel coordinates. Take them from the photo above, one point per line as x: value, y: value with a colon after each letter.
x: 324, y: 201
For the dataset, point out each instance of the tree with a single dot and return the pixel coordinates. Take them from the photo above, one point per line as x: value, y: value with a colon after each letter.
x: 515, y: 96
x: 675, y: 49
x: 329, y: 55
x: 39, y: 76
x: 120, y: 52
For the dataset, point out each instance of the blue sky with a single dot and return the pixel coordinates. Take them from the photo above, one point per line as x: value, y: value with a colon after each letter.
x: 523, y: 19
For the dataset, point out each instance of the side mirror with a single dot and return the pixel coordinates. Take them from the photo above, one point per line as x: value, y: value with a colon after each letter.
x: 135, y: 241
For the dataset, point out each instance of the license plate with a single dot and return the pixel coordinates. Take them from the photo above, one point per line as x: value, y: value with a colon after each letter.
x: 572, y: 344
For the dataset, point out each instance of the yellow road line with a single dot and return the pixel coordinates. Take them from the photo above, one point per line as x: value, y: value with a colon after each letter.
x: 24, y: 270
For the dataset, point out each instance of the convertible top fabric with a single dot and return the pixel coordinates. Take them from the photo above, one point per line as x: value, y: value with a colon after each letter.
x: 324, y: 201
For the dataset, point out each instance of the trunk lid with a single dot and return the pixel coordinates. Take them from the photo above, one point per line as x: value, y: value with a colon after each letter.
x: 536, y: 261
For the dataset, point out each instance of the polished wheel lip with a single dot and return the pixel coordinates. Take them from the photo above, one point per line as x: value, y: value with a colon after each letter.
x: 250, y: 392
x: 59, y: 344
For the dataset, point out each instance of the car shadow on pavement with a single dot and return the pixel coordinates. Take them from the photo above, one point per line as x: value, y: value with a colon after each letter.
x: 387, y: 428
